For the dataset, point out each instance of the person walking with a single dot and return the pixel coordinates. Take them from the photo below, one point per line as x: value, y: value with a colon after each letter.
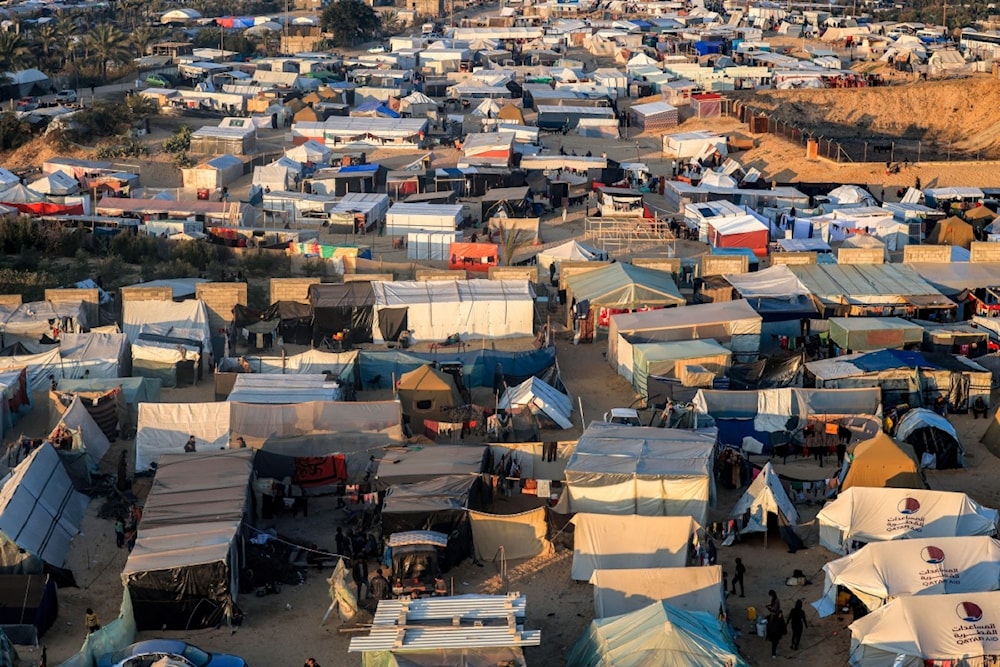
x: 776, y: 629
x: 120, y: 532
x: 797, y: 619
x: 741, y: 569
x: 311, y: 662
x: 91, y: 621
x: 378, y: 587
x: 773, y: 604
x: 359, y: 572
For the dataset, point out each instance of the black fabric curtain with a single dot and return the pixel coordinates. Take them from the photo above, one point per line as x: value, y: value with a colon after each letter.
x: 392, y: 322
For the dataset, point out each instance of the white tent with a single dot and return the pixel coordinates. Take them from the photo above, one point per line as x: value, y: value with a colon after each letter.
x: 765, y: 496
x: 183, y: 319
x: 273, y: 388
x: 619, y: 592
x: 641, y: 470
x: 863, y: 514
x: 570, y: 251
x: 718, y: 179
x: 542, y: 399
x: 612, y: 542
x: 311, y: 151
x: 165, y: 427
x: 40, y: 513
x: 851, y: 194
x: 77, y: 419
x: 924, y: 566
x: 928, y: 629
x: 96, y: 355
x: 40, y: 367
x: 57, y: 183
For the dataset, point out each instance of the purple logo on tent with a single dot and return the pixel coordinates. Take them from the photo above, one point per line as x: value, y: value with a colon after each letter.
x: 932, y: 555
x: 970, y: 612
x: 908, y: 506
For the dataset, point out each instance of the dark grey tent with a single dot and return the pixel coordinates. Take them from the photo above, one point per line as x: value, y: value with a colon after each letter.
x: 339, y: 307
x: 930, y: 434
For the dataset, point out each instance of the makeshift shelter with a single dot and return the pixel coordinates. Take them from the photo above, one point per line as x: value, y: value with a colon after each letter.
x: 618, y: 592
x: 883, y: 462
x: 870, y: 289
x: 134, y: 390
x: 184, y: 320
x: 473, y: 257
x: 653, y: 115
x: 521, y: 535
x: 952, y: 231
x: 184, y: 570
x: 742, y: 232
x: 764, y: 497
x: 310, y: 152
x: 599, y: 542
x: 40, y: 513
x: 87, y: 434
x: 426, y: 393
x: 641, y: 470
x: 439, y: 504
x: 96, y: 355
x: 619, y: 288
x: 861, y: 514
x: 342, y: 307
x: 862, y: 334
x: 435, y: 310
x: 272, y: 388
x: 928, y: 629
x: 548, y: 405
x: 776, y: 294
x: 933, y: 438
x: 692, y: 363
x: 32, y: 321
x: 659, y: 634
x: 572, y: 251
x: 164, y: 427
x: 427, y: 464
x: 28, y: 606
x: 58, y: 184
x: 883, y: 571
x: 851, y: 194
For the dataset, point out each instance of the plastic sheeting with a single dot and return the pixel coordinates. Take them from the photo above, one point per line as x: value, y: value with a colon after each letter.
x: 99, y: 355
x: 113, y: 636
x: 520, y: 535
x: 421, y: 464
x: 165, y: 427
x: 183, y: 319
x: 612, y: 542
x: 542, y: 399
x: 923, y: 566
x: 270, y: 388
x: 669, y: 359
x: 625, y: 287
x: 862, y: 514
x: 77, y: 419
x: 479, y: 368
x: 40, y: 367
x: 618, y: 592
x: 765, y: 496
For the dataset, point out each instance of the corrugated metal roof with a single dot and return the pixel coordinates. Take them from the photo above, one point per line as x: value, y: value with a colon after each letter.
x: 459, y: 622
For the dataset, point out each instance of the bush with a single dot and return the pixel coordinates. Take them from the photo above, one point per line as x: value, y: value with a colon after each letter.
x: 135, y: 248
x: 125, y: 148
x: 175, y: 268
x: 179, y: 141
x: 14, y: 132
x: 31, y: 285
x: 195, y: 253
x: 111, y: 270
x: 314, y: 268
x: 264, y: 264
x: 19, y: 234
x: 258, y: 297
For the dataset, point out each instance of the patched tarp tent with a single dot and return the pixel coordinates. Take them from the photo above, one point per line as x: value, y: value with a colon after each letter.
x: 653, y: 541
x: 186, y: 320
x: 549, y: 405
x: 923, y: 566
x: 881, y: 462
x: 862, y: 334
x: 641, y: 470
x: 928, y: 629
x: 94, y: 355
x: 618, y: 592
x: 135, y: 390
x: 656, y: 635
x: 933, y: 438
x: 693, y: 363
x: 765, y: 496
x: 40, y: 513
x: 184, y: 570
x: 342, y: 307
x: 87, y: 435
x: 862, y: 514
x: 521, y: 535
x: 618, y: 288
x: 427, y: 393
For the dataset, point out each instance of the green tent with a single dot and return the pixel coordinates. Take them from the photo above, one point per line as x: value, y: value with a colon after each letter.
x: 678, y: 360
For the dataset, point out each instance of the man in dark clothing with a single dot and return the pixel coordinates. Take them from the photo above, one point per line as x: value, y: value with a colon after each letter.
x: 979, y: 407
x: 776, y: 629
x: 741, y: 569
x: 378, y: 587
x: 190, y: 445
x: 343, y: 544
x: 359, y: 572
x: 797, y: 619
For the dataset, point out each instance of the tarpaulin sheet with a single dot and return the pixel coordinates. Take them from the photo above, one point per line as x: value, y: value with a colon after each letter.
x: 884, y: 360
x: 112, y: 637
x: 40, y: 367
x: 479, y: 368
x: 519, y: 535
x: 613, y: 542
x: 77, y: 418
x: 766, y: 495
x: 623, y: 591
x: 165, y: 427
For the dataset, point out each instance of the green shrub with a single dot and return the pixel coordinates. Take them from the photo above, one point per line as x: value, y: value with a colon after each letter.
x: 136, y: 248
x: 179, y: 141
x: 314, y: 268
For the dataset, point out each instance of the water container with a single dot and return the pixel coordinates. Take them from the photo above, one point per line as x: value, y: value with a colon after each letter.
x: 812, y: 149
x: 761, y: 627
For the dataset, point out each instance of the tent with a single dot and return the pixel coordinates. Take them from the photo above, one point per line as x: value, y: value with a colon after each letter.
x: 40, y: 513
x: 184, y: 570
x: 883, y: 462
x: 96, y: 355
x: 928, y: 629
x: 851, y: 194
x: 164, y: 428
x: 176, y: 319
x: 549, y: 405
x: 741, y: 232
x: 694, y: 363
x: 572, y: 251
x: 641, y: 470
x: 931, y: 435
x: 618, y: 592
x: 429, y: 463
x: 273, y: 388
x: 659, y: 634
x: 612, y: 542
x: 57, y: 184
x: 923, y: 566
x: 473, y: 257
x: 28, y: 607
x: 952, y: 231
x: 135, y: 390
x: 174, y: 360
x: 861, y: 514
x: 863, y: 334
x: 342, y: 307
x: 775, y: 293
x: 427, y: 393
x: 618, y: 288
x: 439, y: 504
x: 311, y: 151
x: 521, y: 535
x: 88, y: 436
x: 765, y: 496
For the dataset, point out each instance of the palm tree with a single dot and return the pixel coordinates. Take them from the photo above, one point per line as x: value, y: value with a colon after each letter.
x: 513, y: 239
x: 14, y: 53
x: 47, y: 38
x: 67, y: 31
x: 141, y: 39
x: 107, y: 44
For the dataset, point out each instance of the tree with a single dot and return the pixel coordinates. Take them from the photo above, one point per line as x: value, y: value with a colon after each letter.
x: 392, y: 22
x: 513, y: 239
x: 14, y: 52
x: 107, y: 45
x: 141, y: 39
x: 47, y: 38
x: 14, y: 132
x: 350, y: 21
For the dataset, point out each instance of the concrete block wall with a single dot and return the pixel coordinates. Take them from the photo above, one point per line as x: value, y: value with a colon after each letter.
x: 220, y: 298
x: 514, y: 273
x: 861, y: 256
x: 668, y: 264
x: 367, y: 277
x: 984, y: 252
x: 575, y: 268
x: 434, y: 274
x: 926, y: 253
x: 10, y: 300
x: 793, y: 258
x: 291, y: 289
x: 717, y: 265
x: 90, y: 297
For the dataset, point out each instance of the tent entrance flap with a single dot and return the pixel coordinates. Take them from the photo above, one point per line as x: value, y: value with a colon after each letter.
x: 392, y: 322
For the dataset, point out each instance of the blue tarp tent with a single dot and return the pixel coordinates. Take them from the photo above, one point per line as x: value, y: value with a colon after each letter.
x: 480, y: 368
x: 706, y: 48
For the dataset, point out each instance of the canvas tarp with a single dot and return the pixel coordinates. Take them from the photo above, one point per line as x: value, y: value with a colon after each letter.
x: 520, y: 535
x: 858, y: 334
x: 98, y: 355
x: 618, y: 592
x: 545, y: 401
x: 952, y: 231
x: 923, y: 566
x: 668, y: 360
x: 930, y: 433
x: 426, y: 393
x: 656, y: 635
x: 868, y: 285
x: 40, y: 367
x: 928, y: 629
x: 417, y: 465
x: 90, y: 436
x: 164, y: 428
x: 180, y: 319
x: 863, y: 514
x: 614, y: 542
x: 136, y: 390
x: 273, y: 388
x: 765, y: 496
x: 641, y: 470
x: 569, y: 251
x: 40, y: 513
x: 881, y: 462
x: 310, y: 362
x: 624, y: 287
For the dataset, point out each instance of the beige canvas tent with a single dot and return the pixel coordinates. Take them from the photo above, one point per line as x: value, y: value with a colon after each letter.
x: 520, y: 535
x: 881, y: 462
x: 952, y: 231
x: 618, y: 592
x: 612, y: 542
x: 425, y: 392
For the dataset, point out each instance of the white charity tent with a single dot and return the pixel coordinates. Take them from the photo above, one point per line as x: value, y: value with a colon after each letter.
x: 279, y: 175
x: 488, y: 108
x: 310, y: 151
x: 765, y: 496
x: 58, y: 183
x: 851, y: 194
x: 862, y: 514
x: 96, y: 355
x: 542, y: 399
x: 8, y: 178
x: 40, y: 513
x: 619, y: 592
x: 439, y: 309
x: 273, y: 388
x: 599, y: 542
x: 923, y: 566
x: 164, y: 428
x: 570, y: 251
x: 641, y: 470
x: 928, y: 630
x: 87, y: 434
x: 718, y: 179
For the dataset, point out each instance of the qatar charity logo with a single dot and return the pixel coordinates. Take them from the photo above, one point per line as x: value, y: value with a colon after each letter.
x: 932, y: 555
x: 970, y: 612
x: 908, y: 506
